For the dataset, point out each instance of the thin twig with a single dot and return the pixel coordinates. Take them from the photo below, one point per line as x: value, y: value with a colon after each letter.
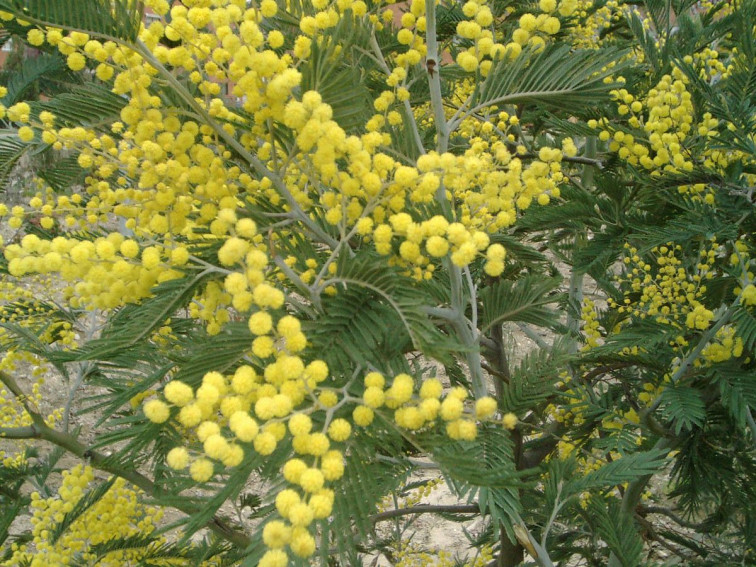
x: 103, y: 463
x: 724, y: 318
x: 434, y: 79
x: 378, y: 57
x: 426, y: 509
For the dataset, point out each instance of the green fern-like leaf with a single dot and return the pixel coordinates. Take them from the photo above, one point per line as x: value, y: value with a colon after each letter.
x: 737, y: 389
x: 524, y: 300
x: 365, y: 482
x: 336, y: 78
x: 32, y: 70
x: 399, y: 294
x: 533, y: 380
x: 134, y: 323
x: 358, y: 328
x: 556, y: 76
x: 484, y: 469
x: 109, y: 19
x: 617, y: 530
x: 684, y: 406
x: 745, y: 328
x: 11, y: 150
x: 63, y: 174
x: 626, y: 469
x: 89, y: 105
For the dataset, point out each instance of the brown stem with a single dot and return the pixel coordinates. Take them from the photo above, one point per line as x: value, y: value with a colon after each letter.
x: 511, y: 553
x: 40, y: 430
x: 644, y: 510
x: 426, y: 509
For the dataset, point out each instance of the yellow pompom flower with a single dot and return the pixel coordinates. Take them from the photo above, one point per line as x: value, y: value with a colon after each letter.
x: 318, y: 444
x: 150, y: 257
x: 339, y: 430
x: 260, y: 323
x: 201, y: 470
x: 317, y: 370
x: 547, y: 6
x: 274, y: 558
x: 293, y: 469
x: 528, y: 22
x: 208, y: 394
x: 311, y: 480
x: 485, y: 407
x: 462, y: 429
x: 451, y: 408
x: 233, y: 250
x: 328, y: 399
x: 206, y: 429
x: 265, y: 443
x: 494, y: 268
x: 431, y: 388
x: 262, y: 347
x: 266, y: 295
x: 401, y: 390
x: 300, y: 515
x: 190, y: 416
x: 332, y: 465
x: 373, y: 397
x: 26, y: 134
x: 286, y: 500
x: 276, y: 534
x: 437, y: 246
x: 363, y: 416
x: 300, y: 424
x: 467, y: 61
x: 268, y: 8
x: 244, y: 380
x: 157, y: 411
x: 76, y: 61
x: 509, y: 421
x: 302, y: 543
x: 374, y: 380
x: 216, y: 447
x: 430, y: 408
x: 243, y: 426
x: 275, y: 39
x: 321, y: 504
x: 177, y: 458
x: 129, y: 249
x: 178, y: 393
x: 35, y: 37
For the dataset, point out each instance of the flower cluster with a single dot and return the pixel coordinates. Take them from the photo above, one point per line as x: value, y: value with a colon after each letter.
x: 670, y: 292
x: 118, y: 514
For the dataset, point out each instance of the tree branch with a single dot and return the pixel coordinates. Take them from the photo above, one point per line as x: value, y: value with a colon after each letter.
x: 635, y: 489
x: 643, y: 510
x: 27, y: 432
x: 426, y: 509
x: 103, y: 463
x: 434, y: 78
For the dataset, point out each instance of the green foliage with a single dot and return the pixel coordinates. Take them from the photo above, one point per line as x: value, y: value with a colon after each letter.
x: 558, y: 76
x: 41, y: 72
x: 684, y: 406
x: 524, y: 300
x: 11, y: 150
x: 643, y: 363
x: 118, y: 20
x: 616, y: 529
x: 533, y: 381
